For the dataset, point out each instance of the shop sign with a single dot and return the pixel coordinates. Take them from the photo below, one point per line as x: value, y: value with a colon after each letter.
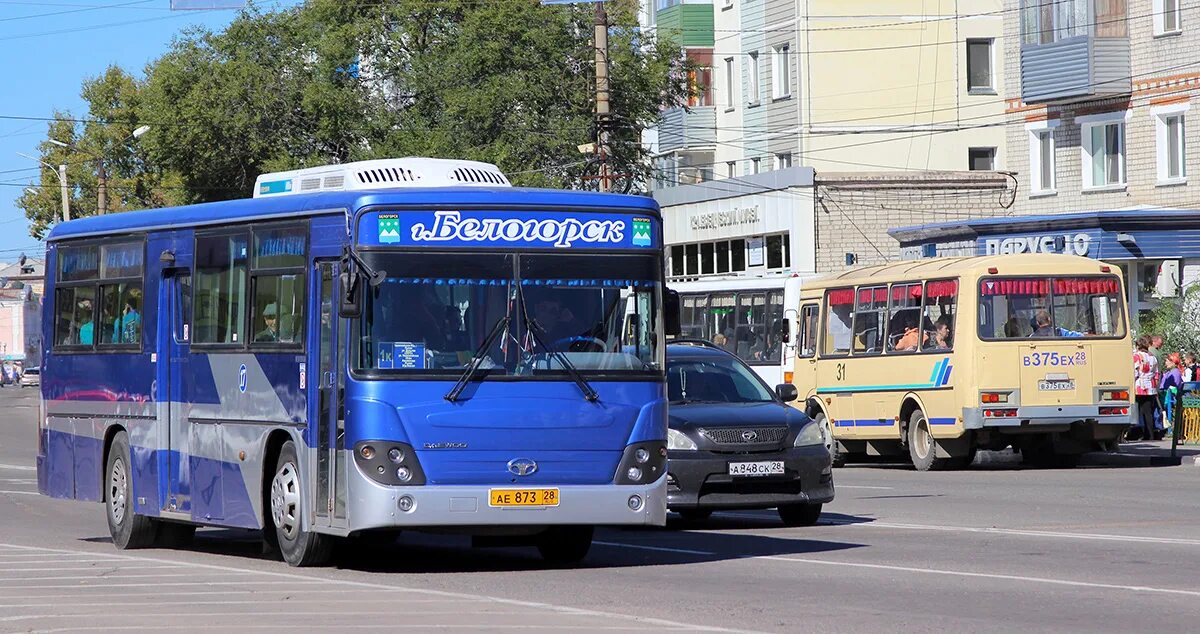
x: 1069, y: 244
x: 721, y: 219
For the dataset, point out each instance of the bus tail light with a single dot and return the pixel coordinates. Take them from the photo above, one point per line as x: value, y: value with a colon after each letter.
x: 787, y: 377
x: 1114, y: 411
x: 993, y: 398
x: 1115, y: 395
x: 999, y: 413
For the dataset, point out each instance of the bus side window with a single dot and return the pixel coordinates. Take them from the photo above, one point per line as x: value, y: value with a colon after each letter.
x: 941, y: 305
x: 839, y: 312
x: 808, y: 330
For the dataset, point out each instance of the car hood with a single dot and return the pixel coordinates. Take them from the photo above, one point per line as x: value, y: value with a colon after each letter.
x: 709, y: 415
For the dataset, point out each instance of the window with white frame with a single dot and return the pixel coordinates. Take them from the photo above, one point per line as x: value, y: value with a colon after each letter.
x: 1041, y: 157
x: 981, y: 158
x: 1166, y: 17
x: 979, y: 66
x: 781, y: 74
x: 731, y: 94
x: 783, y: 160
x: 1103, y: 141
x: 752, y: 82
x: 1170, y: 142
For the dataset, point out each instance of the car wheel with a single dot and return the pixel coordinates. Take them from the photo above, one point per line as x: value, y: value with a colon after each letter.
x: 695, y: 515
x: 298, y: 546
x: 128, y: 529
x: 565, y: 544
x: 800, y: 514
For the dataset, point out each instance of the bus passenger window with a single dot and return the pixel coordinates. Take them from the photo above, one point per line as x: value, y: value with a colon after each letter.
x: 74, y: 316
x: 904, y: 318
x: 868, y: 319
x: 279, y: 308
x: 121, y: 314
x: 941, y: 305
x: 839, y: 312
x: 220, y: 290
x: 808, y: 330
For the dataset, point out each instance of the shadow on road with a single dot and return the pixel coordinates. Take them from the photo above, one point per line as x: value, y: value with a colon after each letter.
x: 718, y: 539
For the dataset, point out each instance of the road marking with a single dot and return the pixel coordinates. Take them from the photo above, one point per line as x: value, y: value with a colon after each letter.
x: 307, y: 578
x: 20, y: 492
x: 1017, y: 532
x: 861, y: 486
x: 15, y: 467
x: 115, y: 574
x: 658, y: 548
x: 934, y: 571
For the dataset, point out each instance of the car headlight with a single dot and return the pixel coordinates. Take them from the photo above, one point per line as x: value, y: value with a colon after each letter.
x: 677, y: 440
x: 810, y: 434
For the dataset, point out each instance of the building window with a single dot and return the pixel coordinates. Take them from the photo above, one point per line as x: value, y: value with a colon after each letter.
x: 1048, y: 21
x: 706, y: 258
x: 979, y: 67
x: 700, y: 89
x: 691, y: 259
x: 781, y: 71
x: 1166, y: 17
x: 755, y: 166
x: 1171, y: 145
x: 731, y: 95
x: 731, y: 169
x: 1041, y: 159
x: 722, y: 256
x: 1103, y: 154
x: 752, y: 80
x: 783, y: 160
x: 981, y: 159
x: 737, y: 253
x: 677, y: 260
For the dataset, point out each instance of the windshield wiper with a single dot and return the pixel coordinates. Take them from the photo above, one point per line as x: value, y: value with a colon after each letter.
x: 588, y: 392
x: 477, y: 358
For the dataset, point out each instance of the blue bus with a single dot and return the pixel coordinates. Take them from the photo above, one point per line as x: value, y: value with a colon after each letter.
x: 357, y: 349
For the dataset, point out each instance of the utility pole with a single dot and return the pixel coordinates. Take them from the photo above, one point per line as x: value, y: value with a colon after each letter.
x: 66, y: 197
x: 102, y: 190
x: 602, y: 94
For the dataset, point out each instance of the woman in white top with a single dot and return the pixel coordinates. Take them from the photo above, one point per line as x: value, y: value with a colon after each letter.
x: 1145, y: 385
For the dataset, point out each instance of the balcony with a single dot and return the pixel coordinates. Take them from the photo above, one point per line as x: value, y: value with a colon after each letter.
x: 1074, y: 49
x: 687, y: 128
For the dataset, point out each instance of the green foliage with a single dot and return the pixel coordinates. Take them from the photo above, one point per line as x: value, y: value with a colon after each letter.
x: 505, y: 81
x: 1177, y: 320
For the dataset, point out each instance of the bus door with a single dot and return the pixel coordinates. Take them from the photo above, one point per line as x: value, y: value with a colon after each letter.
x: 326, y: 409
x: 174, y: 304
x: 805, y: 342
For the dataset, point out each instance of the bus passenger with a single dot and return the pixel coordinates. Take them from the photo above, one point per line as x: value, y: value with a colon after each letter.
x: 271, y: 318
x: 86, y: 334
x: 941, y: 334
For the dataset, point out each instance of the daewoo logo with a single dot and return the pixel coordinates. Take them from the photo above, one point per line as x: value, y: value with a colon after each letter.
x: 522, y: 466
x: 451, y: 226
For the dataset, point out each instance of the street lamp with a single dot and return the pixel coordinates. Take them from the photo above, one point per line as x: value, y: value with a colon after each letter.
x: 102, y: 175
x: 61, y: 173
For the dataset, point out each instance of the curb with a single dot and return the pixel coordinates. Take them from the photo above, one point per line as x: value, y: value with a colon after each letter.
x: 1101, y: 459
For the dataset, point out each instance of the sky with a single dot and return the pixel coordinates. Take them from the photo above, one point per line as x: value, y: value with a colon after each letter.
x: 47, y: 49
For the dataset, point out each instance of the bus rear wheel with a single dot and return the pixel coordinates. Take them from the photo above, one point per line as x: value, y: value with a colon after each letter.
x: 922, y: 449
x: 565, y: 544
x: 298, y: 546
x: 128, y: 529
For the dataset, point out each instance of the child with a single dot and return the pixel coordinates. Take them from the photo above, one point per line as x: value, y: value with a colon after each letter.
x: 1189, y: 366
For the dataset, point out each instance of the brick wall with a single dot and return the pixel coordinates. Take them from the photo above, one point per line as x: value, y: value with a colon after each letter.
x: 855, y: 210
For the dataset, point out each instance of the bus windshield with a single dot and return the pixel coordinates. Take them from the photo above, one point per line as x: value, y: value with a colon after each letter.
x: 1050, y: 307
x: 433, y: 312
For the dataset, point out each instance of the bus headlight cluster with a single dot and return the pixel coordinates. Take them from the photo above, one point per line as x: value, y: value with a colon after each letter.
x: 388, y: 462
x: 642, y: 463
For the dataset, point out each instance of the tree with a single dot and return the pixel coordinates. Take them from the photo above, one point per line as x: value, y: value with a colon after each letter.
x: 1177, y: 320
x: 504, y: 81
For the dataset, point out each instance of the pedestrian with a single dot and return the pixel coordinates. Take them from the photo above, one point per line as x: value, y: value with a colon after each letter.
x: 1145, y: 387
x: 1168, y: 390
x: 1189, y: 366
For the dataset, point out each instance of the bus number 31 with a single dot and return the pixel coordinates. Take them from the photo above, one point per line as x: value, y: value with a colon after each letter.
x: 841, y: 371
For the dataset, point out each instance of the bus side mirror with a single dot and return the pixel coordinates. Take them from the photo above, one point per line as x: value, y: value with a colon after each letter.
x: 348, y: 305
x: 784, y: 328
x: 671, y: 313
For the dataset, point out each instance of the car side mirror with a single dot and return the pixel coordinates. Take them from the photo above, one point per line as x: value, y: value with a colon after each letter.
x: 671, y: 313
x: 787, y: 392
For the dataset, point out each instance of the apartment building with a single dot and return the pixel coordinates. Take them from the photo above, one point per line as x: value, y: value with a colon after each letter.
x: 1098, y: 99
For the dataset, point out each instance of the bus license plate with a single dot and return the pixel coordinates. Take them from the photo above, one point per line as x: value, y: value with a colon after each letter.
x: 774, y: 467
x: 1057, y: 386
x: 523, y: 497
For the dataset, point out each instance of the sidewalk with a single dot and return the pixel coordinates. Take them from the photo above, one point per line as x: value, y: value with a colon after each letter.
x: 1144, y: 454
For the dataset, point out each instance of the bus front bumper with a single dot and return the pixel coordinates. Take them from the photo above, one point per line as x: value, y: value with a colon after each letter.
x: 375, y: 506
x: 1035, y: 418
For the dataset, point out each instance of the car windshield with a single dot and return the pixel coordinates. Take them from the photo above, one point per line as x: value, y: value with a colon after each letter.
x: 433, y: 311
x: 715, y: 380
x: 1050, y: 307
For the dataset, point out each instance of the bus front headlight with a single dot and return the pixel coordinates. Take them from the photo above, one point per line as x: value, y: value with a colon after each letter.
x: 677, y: 440
x: 811, y: 434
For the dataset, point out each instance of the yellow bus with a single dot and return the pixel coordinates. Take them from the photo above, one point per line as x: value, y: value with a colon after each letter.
x: 937, y: 358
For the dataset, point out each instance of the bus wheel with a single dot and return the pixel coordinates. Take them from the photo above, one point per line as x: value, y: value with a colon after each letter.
x: 565, y: 544
x: 299, y: 547
x: 921, y: 447
x: 128, y: 529
x: 836, y: 456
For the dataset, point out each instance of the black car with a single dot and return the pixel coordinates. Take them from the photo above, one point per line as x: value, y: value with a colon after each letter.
x: 733, y: 443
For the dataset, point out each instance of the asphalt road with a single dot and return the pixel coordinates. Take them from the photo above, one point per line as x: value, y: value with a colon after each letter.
x: 989, y: 549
